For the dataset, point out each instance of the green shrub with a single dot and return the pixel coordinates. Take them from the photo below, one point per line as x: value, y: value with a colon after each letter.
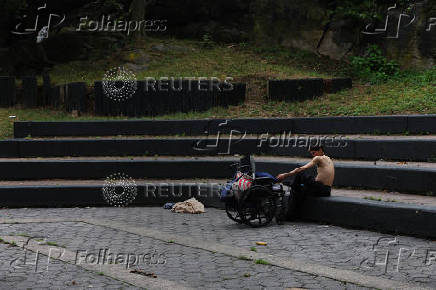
x: 207, y: 41
x: 374, y: 66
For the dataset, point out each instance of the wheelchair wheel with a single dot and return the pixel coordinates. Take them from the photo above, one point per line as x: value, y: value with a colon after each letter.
x: 259, y: 207
x: 232, y: 212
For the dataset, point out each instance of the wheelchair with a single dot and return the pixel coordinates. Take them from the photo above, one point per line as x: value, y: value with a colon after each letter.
x: 263, y: 200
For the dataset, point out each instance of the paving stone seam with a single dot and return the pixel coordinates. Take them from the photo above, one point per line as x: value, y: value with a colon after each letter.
x: 114, y: 271
x: 288, y: 263
x: 237, y: 252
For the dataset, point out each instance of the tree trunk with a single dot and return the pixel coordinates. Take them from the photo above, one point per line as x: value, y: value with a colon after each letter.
x: 137, y: 12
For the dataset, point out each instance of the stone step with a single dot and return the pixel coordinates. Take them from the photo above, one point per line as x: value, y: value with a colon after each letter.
x: 226, y: 136
x: 234, y: 158
x: 387, y: 176
x: 398, y: 124
x: 406, y: 149
x: 392, y: 217
x: 376, y: 195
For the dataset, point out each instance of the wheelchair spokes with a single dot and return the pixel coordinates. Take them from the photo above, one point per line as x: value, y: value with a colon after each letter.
x: 260, y: 203
x: 259, y: 207
x: 233, y: 213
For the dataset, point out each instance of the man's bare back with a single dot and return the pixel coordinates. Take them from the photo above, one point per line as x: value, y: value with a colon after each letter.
x: 326, y: 170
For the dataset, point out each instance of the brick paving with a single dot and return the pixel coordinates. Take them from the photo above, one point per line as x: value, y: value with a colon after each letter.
x: 409, y: 260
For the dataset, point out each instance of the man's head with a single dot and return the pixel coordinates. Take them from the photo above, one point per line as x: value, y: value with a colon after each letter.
x: 316, y: 150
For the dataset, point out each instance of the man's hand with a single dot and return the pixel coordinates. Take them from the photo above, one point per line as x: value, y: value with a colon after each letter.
x: 282, y: 177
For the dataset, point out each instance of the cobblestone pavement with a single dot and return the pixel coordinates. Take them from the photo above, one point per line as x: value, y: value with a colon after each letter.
x: 59, y: 275
x: 398, y: 258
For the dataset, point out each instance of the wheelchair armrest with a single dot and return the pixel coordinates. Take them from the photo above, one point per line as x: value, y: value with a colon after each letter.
x: 265, y: 180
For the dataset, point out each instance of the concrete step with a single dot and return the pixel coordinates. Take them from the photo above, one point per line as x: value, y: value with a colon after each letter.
x: 391, y: 217
x: 234, y: 158
x: 226, y: 136
x: 388, y: 176
x: 407, y: 149
x: 413, y: 124
x: 383, y: 196
x: 375, y: 195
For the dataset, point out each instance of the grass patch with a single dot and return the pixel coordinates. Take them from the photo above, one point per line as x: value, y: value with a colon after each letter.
x: 253, y: 249
x: 262, y: 262
x: 379, y: 199
x: 372, y: 198
x: 244, y: 258
x: 23, y: 235
x: 408, y: 92
x: 52, y: 244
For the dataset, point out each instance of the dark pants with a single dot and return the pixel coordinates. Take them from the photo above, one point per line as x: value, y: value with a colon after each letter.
x: 305, y: 185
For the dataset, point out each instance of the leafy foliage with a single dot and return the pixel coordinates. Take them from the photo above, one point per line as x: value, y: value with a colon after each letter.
x: 365, y: 9
x: 374, y: 66
x: 207, y: 41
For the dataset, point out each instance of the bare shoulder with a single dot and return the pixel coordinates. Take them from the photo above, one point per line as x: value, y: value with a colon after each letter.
x: 316, y: 159
x: 325, y: 158
x: 322, y: 160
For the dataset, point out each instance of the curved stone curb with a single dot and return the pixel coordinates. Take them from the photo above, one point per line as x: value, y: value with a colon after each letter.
x: 292, y: 264
x: 411, y: 179
x: 336, y: 147
x: 115, y: 271
x: 395, y: 124
x: 392, y: 217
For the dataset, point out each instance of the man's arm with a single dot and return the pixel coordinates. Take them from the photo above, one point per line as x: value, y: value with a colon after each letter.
x: 297, y: 170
